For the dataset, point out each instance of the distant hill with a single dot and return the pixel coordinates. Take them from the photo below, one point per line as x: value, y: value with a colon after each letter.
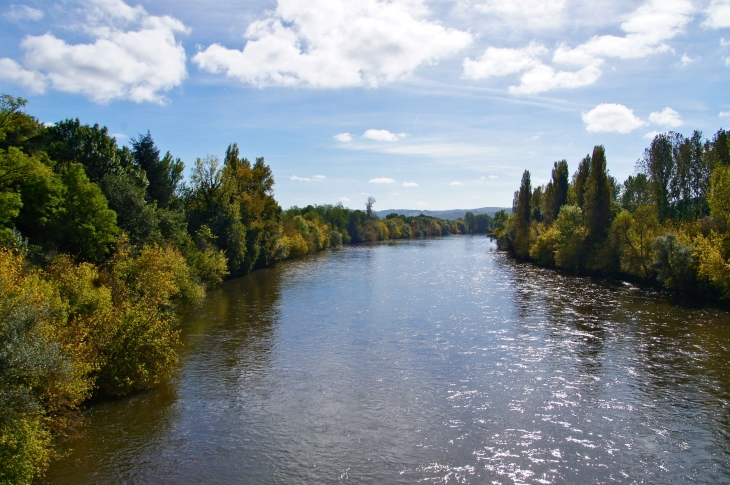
x: 448, y: 214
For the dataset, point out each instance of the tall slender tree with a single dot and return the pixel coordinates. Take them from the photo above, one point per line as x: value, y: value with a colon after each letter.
x: 597, y: 197
x: 658, y: 165
x: 556, y: 192
x: 579, y: 179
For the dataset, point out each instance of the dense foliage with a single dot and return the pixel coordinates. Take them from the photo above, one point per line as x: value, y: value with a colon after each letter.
x: 667, y: 224
x: 99, y: 245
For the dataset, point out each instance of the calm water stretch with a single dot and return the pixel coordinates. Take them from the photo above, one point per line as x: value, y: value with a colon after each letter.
x: 435, y: 361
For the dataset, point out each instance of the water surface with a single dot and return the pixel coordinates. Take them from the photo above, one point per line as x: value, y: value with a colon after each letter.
x: 434, y: 361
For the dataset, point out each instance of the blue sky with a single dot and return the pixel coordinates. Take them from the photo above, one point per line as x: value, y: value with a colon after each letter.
x: 421, y: 104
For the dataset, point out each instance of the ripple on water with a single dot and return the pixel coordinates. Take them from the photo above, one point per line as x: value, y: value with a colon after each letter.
x: 437, y: 361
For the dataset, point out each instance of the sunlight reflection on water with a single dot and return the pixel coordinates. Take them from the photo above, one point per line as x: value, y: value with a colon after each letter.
x: 439, y: 361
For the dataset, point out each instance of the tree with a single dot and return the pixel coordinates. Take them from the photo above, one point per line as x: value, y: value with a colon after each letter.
x: 86, y: 227
x: 633, y: 236
x: 658, y: 165
x: 471, y: 221
x: 636, y: 193
x: 369, y: 206
x: 164, y: 174
x: 597, y: 197
x: 579, y: 179
x: 556, y: 192
x: 522, y: 216
x: 719, y: 196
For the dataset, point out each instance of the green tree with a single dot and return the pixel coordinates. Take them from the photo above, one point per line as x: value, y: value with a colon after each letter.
x: 164, y: 174
x: 85, y: 227
x: 636, y: 192
x: 471, y: 221
x: 580, y: 178
x: 658, y: 165
x: 522, y: 217
x: 556, y: 192
x: 597, y: 197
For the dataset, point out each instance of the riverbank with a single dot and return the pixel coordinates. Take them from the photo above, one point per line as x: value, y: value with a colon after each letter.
x: 653, y: 227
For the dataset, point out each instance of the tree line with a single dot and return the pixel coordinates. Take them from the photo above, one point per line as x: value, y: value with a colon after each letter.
x: 667, y: 224
x: 99, y: 246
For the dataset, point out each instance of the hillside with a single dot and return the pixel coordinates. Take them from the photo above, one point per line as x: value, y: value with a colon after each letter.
x: 445, y: 214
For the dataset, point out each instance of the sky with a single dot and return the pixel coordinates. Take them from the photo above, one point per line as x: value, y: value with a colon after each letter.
x: 421, y: 104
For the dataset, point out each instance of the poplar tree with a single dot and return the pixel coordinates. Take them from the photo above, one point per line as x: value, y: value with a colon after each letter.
x: 522, y: 215
x: 658, y: 165
x: 597, y: 197
x: 579, y: 179
x: 556, y: 192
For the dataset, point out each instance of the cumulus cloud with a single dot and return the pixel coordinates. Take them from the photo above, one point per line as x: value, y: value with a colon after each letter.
x: 133, y: 55
x: 532, y: 13
x: 335, y: 43
x: 382, y: 180
x: 718, y: 15
x: 652, y: 134
x: 724, y: 114
x: 410, y: 184
x: 343, y: 137
x: 501, y: 62
x: 611, y: 118
x: 646, y: 31
x: 318, y: 177
x: 456, y: 183
x: 344, y: 199
x: 666, y: 117
x: 11, y: 71
x: 23, y: 12
x: 383, y: 135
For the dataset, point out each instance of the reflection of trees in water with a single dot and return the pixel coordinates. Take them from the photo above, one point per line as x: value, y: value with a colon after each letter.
x: 232, y: 332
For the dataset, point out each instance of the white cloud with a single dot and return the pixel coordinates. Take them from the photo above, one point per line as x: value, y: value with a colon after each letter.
x: 344, y: 199
x: 314, y: 178
x: 343, y: 137
x: 139, y: 65
x: 608, y: 117
x: 410, y: 184
x: 423, y: 204
x: 501, y: 62
x: 666, y: 117
x: 456, y: 183
x: 382, y: 180
x: 652, y: 134
x: 14, y: 72
x: 493, y: 177
x: 335, y: 43
x: 718, y: 15
x: 119, y: 136
x: 383, y: 135
x: 533, y: 13
x: 646, y: 31
x: 687, y: 60
x: 724, y: 114
x: 23, y: 12
x: 544, y: 78
x: 537, y: 77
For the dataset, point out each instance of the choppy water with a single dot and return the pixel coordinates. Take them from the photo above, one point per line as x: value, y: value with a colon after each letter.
x: 435, y: 361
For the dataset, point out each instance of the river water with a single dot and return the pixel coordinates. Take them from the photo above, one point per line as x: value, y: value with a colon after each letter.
x: 430, y: 361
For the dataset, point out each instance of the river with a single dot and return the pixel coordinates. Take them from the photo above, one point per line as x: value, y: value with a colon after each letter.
x: 430, y: 361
